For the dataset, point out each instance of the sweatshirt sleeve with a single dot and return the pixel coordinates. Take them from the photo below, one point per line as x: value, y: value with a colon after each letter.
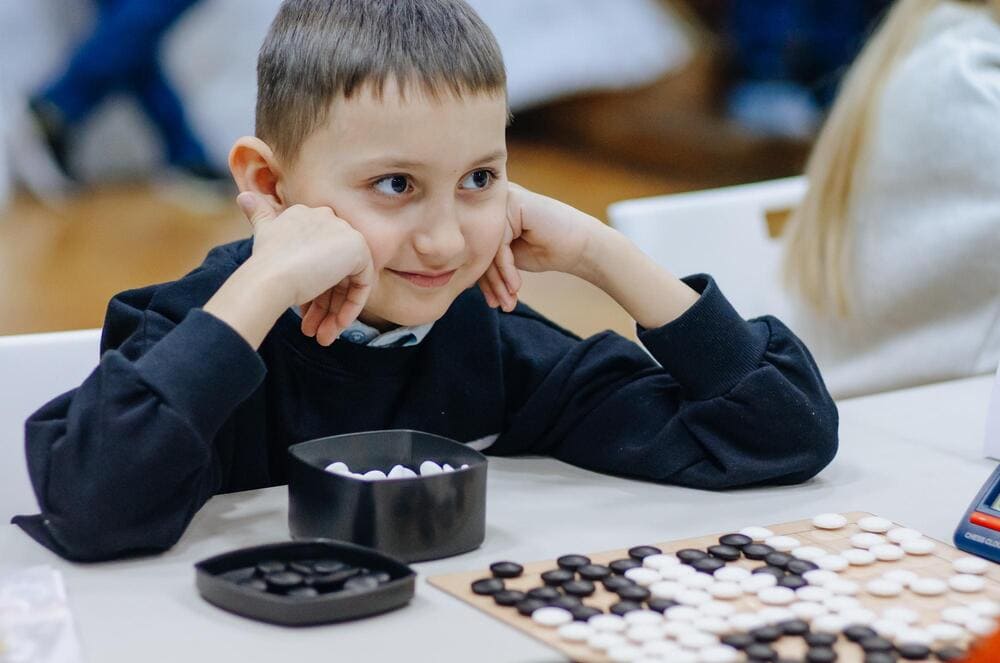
x: 121, y: 464
x: 715, y: 401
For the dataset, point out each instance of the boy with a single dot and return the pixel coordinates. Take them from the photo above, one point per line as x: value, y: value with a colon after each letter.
x: 376, y: 188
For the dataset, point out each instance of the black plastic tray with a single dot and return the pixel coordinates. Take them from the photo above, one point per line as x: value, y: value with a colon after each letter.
x: 412, y: 519
x: 335, y: 606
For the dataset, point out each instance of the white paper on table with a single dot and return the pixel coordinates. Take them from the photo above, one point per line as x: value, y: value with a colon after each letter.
x: 991, y: 444
x: 35, y: 622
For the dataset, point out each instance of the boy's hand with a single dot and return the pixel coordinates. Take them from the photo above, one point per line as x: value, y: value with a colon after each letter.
x: 542, y: 235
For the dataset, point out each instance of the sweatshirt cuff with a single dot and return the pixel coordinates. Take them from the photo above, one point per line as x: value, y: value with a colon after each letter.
x: 710, y: 348
x: 203, y: 369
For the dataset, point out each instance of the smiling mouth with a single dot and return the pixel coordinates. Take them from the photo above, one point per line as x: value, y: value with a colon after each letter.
x: 426, y: 280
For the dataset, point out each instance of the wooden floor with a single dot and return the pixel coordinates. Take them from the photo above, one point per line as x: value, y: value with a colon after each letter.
x: 59, y: 266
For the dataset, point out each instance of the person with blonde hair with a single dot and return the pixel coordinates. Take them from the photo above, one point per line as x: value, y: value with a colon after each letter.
x: 895, y: 251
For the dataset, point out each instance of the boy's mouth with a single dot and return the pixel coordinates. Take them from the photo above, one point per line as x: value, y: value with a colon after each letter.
x: 425, y: 279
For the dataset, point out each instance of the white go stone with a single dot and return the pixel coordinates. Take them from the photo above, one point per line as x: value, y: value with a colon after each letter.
x: 858, y: 616
x: 981, y: 626
x: 967, y: 583
x: 657, y: 562
x: 832, y: 563
x: 676, y: 572
x: 374, y: 475
x: 464, y: 466
x: 959, y: 614
x: 843, y: 587
x: 677, y: 629
x: 643, y: 618
x: 884, y: 588
x: 682, y: 613
x: 693, y: 597
x: 829, y: 623
x: 809, y: 553
x: 812, y: 593
x: 783, y: 543
x: 973, y: 565
x: 624, y: 653
x: 945, y: 633
x: 717, y: 609
x: 429, y: 467
x: 447, y: 468
x: 820, y: 577
x: 928, y: 586
x: 726, y: 590
x: 575, y: 632
x: 829, y: 521
x: 604, y: 641
x: 775, y: 614
x: 551, y: 616
x: 642, y: 576
x: 400, y: 472
x: 697, y: 640
x: 644, y: 633
x: 921, y: 546
x: 915, y: 636
x: 746, y: 621
x: 858, y: 557
x: 338, y: 468
x: 731, y: 574
x: 661, y: 649
x: 807, y: 610
x: 875, y: 524
x: 902, y: 615
x: 697, y: 581
x: 713, y: 625
x: 758, y: 534
x: 900, y: 534
x: 888, y: 552
x: 665, y: 589
x: 719, y: 654
x: 607, y: 623
x: 986, y: 608
x: 776, y: 595
x: 757, y: 582
x: 888, y: 628
x: 866, y: 540
x: 903, y: 576
x: 841, y: 603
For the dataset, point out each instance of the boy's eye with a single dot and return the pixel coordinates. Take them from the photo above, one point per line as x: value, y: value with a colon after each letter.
x: 478, y: 179
x: 392, y: 185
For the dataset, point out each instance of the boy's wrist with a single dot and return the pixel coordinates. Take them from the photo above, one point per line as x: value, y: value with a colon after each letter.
x: 250, y: 301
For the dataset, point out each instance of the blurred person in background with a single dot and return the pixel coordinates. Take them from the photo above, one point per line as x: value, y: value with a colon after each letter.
x: 121, y: 54
x: 895, y: 250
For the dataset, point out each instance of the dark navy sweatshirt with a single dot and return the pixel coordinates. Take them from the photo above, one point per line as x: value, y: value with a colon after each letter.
x: 181, y: 408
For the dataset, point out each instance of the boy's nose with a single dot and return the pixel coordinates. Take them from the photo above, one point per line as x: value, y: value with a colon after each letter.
x: 440, y: 239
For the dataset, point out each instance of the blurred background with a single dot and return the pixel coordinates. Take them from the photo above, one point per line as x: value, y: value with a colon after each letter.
x: 138, y: 103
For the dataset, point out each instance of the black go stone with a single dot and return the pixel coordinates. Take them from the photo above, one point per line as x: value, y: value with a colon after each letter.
x: 365, y: 583
x: 858, y: 632
x: 302, y: 568
x: 775, y: 571
x: 270, y: 566
x: 556, y: 577
x: 820, y: 655
x: 766, y: 633
x: 757, y: 550
x: 565, y: 602
x: 761, y: 652
x: 283, y: 581
x: 735, y: 540
x: 623, y: 607
x: 690, y: 555
x: 800, y: 566
x: 572, y: 562
x: 913, y: 651
x: 381, y: 576
x: 737, y: 640
x: 582, y: 613
x: 778, y: 559
x: 880, y: 657
x: 529, y: 605
x: 325, y: 566
x: 633, y: 593
x: 642, y: 552
x: 794, y: 627
x: 619, y: 566
x: 614, y: 583
x: 579, y: 588
x: 544, y: 594
x: 727, y: 553
x: 792, y: 581
x: 254, y: 583
x: 661, y: 605
x: 874, y: 643
x: 303, y: 592
x: 509, y: 597
x: 488, y: 586
x: 950, y: 653
x: 596, y: 571
x: 708, y: 564
x: 821, y: 639
x: 506, y: 569
x: 333, y: 581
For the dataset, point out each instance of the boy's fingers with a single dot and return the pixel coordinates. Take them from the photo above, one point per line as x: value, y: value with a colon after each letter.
x: 354, y: 302
x: 484, y: 286
x: 499, y: 288
x: 508, y: 269
x: 255, y: 209
x: 318, y: 310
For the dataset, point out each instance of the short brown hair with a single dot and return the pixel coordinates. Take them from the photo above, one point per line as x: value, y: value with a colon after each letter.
x: 319, y: 50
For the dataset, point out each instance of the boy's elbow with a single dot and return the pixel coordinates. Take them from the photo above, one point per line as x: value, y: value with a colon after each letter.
x: 817, y: 438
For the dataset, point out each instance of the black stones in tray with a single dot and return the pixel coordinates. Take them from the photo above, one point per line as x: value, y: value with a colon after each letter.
x: 306, y: 582
x: 642, y: 552
x: 572, y: 562
x: 506, y: 569
x: 738, y: 640
x: 875, y: 644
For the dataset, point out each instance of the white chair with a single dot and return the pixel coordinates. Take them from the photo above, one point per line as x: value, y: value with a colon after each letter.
x: 34, y: 368
x: 723, y: 232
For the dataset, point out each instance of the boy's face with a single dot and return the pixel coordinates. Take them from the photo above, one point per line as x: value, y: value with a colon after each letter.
x: 423, y: 180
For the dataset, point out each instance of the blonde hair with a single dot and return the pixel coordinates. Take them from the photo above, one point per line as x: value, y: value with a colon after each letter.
x: 818, y: 250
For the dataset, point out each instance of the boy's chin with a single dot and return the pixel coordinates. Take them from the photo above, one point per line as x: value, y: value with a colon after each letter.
x: 413, y: 316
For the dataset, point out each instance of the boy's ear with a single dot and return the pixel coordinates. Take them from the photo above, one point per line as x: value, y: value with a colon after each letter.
x: 255, y: 168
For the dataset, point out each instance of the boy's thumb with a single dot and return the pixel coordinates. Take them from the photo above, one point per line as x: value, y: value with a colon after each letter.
x: 252, y: 207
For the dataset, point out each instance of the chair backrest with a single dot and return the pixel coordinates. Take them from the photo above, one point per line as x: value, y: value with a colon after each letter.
x: 34, y: 369
x: 723, y: 232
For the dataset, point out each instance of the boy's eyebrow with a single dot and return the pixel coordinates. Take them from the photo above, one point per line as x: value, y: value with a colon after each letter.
x: 390, y: 161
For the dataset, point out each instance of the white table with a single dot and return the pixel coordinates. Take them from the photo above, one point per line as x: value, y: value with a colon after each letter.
x: 912, y: 456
